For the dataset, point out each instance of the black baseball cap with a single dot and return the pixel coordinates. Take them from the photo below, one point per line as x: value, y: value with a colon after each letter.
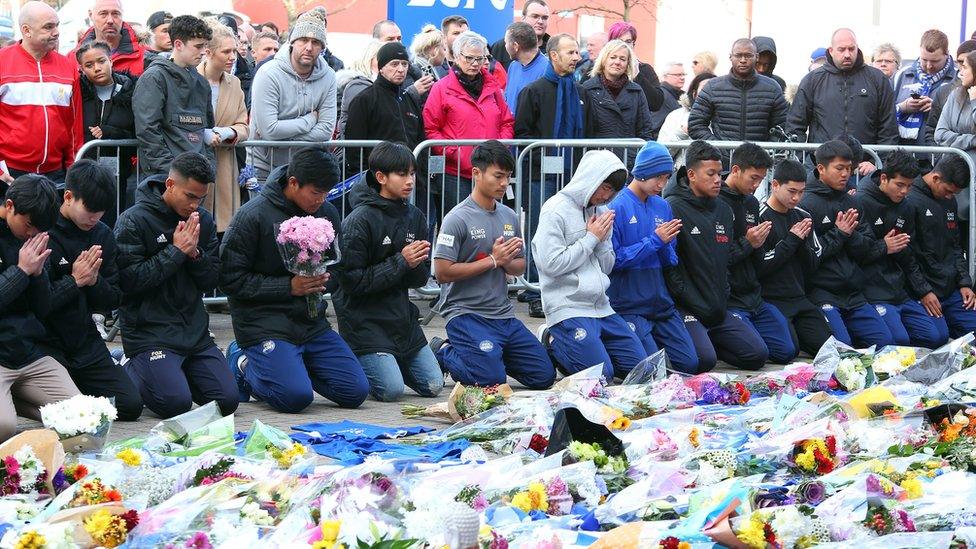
x: 159, y: 18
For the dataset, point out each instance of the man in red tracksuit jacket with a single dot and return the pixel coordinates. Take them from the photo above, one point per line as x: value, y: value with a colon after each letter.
x: 40, y: 101
x: 128, y: 55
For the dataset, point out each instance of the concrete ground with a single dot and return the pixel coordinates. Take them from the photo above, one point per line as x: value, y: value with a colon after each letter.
x: 321, y: 410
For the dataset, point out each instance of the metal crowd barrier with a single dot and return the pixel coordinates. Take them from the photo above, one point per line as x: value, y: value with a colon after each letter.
x: 350, y: 165
x: 542, y: 168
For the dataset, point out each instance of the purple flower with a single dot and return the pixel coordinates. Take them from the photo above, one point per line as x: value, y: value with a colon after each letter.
x: 812, y: 493
x: 907, y: 525
x: 199, y: 541
x: 59, y: 482
x: 498, y: 542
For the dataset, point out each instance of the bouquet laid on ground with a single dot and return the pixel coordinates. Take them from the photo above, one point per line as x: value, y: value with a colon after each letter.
x: 307, y: 245
x: 22, y: 473
x: 464, y: 402
x: 851, y: 369
x: 712, y: 391
x: 82, y: 421
x: 893, y: 360
x: 816, y: 456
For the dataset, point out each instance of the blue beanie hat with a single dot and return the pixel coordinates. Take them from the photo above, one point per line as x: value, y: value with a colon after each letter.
x: 652, y: 160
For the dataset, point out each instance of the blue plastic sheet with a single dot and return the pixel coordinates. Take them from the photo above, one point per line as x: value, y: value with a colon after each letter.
x: 350, y: 430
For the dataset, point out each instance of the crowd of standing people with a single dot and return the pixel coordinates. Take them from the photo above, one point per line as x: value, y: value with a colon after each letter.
x: 637, y: 252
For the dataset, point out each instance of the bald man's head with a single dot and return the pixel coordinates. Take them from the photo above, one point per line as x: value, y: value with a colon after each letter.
x: 39, y: 27
x: 843, y: 49
x: 106, y: 18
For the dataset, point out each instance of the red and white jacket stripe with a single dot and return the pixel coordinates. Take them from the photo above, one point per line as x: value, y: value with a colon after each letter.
x: 40, y: 110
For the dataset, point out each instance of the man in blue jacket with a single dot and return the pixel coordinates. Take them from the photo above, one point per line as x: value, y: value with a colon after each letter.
x: 644, y: 243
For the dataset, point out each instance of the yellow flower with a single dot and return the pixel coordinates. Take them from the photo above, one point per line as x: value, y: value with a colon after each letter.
x: 288, y: 457
x: 684, y: 545
x: 694, y: 437
x: 522, y: 501
x: 753, y: 533
x: 537, y: 495
x: 913, y: 486
x: 330, y: 529
x: 130, y: 457
x: 105, y: 528
x: 31, y: 540
x: 806, y: 461
x: 622, y: 423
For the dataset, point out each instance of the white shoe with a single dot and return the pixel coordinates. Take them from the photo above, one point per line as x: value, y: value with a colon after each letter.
x: 541, y: 332
x: 99, y: 320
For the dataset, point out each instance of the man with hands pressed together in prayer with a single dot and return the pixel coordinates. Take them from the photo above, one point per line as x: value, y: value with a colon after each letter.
x: 478, y: 248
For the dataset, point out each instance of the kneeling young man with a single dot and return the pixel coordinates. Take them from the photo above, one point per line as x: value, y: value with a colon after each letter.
x: 288, y: 354
x: 167, y: 260
x: 790, y: 253
x: 384, y: 255
x: 892, y: 279
x: 837, y: 285
x: 478, y: 248
x: 700, y: 281
x: 573, y: 252
x: 28, y: 378
x: 644, y: 245
x: 85, y: 280
x: 749, y: 166
x: 937, y: 249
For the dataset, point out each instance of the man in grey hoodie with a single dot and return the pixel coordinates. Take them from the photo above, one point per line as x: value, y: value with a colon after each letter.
x: 293, y: 97
x: 172, y: 101
x: 574, y: 255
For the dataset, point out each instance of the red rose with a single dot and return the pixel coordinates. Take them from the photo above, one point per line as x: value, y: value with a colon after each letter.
x: 538, y: 443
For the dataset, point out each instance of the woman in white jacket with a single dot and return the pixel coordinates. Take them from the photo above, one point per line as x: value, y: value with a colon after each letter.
x: 675, y: 127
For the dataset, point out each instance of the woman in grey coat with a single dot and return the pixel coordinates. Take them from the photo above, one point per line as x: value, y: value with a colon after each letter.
x: 614, y: 106
x: 957, y: 124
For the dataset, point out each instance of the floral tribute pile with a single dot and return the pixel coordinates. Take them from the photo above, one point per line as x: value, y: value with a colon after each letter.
x: 831, y: 453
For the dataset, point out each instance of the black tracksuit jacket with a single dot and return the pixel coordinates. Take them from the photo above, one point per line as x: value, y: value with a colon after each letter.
x: 71, y: 334
x: 699, y: 283
x: 936, y: 244
x: 162, y: 304
x: 892, y: 278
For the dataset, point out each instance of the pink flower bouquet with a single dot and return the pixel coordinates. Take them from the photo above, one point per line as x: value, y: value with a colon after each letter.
x: 307, y: 245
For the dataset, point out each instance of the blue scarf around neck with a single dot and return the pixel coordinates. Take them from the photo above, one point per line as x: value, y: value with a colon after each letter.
x: 569, y: 110
x: 909, y: 124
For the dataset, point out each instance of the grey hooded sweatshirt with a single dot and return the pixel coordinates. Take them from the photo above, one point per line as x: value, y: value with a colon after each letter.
x: 573, y: 264
x: 283, y: 107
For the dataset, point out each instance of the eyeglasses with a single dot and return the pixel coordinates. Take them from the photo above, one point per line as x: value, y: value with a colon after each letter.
x: 676, y: 74
x: 476, y: 60
x: 885, y: 61
x: 743, y: 56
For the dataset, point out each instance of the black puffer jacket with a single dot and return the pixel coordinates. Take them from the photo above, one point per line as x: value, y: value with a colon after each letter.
x: 839, y: 279
x: 745, y: 293
x: 23, y: 301
x: 891, y: 276
x: 71, y: 334
x: 253, y: 274
x: 373, y: 305
x: 936, y: 242
x: 114, y: 116
x: 606, y: 117
x: 699, y: 283
x: 730, y: 108
x: 162, y: 304
x: 831, y: 102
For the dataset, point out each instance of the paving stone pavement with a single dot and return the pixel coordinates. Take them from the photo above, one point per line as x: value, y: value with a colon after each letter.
x: 321, y: 410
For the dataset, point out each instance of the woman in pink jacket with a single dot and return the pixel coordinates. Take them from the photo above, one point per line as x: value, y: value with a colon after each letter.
x: 466, y: 104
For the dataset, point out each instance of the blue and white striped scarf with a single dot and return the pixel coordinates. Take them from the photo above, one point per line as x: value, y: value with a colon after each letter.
x: 910, y: 123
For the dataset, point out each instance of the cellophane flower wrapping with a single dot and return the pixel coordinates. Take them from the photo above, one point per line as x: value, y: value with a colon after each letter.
x: 82, y: 421
x: 308, y: 246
